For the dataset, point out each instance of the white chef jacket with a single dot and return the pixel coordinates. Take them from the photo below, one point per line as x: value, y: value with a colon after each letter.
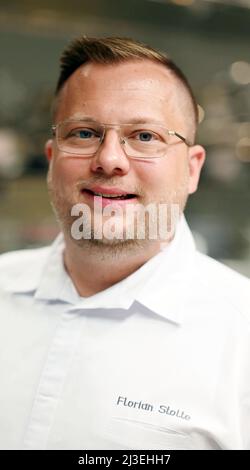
x: 160, y: 360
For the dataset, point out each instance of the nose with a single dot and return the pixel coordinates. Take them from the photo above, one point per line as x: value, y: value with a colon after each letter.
x: 110, y: 157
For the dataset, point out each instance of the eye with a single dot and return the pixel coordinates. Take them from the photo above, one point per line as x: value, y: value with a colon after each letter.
x: 84, y: 133
x: 145, y: 136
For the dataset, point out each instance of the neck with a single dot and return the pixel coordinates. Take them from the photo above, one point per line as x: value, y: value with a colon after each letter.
x: 94, y: 268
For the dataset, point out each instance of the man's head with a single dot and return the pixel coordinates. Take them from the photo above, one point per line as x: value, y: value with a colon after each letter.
x: 120, y: 81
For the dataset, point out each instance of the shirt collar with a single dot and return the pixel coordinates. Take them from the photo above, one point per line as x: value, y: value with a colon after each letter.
x: 160, y: 285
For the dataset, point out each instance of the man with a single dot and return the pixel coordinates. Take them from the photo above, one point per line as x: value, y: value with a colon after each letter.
x: 119, y: 336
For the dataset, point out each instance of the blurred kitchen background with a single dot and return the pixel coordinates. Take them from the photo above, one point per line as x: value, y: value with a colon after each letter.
x: 209, y: 39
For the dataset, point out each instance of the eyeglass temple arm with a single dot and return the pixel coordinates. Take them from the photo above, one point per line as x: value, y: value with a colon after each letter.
x: 53, y: 130
x: 187, y: 142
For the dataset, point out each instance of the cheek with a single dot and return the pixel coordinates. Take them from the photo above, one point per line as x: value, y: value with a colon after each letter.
x: 163, y: 174
x: 67, y: 171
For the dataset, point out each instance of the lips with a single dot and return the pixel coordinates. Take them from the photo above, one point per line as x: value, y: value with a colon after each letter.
x: 106, y: 196
x: 109, y: 193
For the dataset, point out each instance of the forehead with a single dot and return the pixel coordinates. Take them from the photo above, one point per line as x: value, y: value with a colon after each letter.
x: 119, y: 92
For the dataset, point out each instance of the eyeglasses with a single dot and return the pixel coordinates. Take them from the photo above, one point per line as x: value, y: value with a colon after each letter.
x: 84, y: 137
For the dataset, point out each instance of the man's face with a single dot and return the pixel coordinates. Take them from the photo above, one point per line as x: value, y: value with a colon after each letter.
x: 119, y: 94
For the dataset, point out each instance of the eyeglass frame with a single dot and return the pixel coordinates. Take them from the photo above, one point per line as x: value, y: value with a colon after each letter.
x: 105, y: 126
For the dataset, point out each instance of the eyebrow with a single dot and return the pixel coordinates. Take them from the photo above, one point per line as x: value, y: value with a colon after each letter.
x: 136, y: 120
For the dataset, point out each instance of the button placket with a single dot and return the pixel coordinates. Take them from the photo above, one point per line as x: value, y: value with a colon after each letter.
x: 52, y: 380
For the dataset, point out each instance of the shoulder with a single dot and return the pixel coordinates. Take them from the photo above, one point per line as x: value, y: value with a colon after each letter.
x: 223, y: 283
x: 17, y: 265
x: 219, y: 272
x: 17, y: 259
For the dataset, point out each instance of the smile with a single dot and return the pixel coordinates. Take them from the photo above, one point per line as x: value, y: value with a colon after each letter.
x: 111, y: 196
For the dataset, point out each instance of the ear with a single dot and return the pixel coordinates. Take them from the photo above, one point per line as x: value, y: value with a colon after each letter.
x: 196, y: 159
x: 48, y: 149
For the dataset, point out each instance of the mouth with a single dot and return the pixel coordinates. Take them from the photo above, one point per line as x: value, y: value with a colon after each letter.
x: 110, y: 196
